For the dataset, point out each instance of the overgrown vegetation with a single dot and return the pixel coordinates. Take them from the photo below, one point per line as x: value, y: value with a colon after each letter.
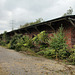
x: 39, y: 20
x: 53, y: 47
x: 58, y: 42
x: 41, y: 40
x: 5, y: 39
x: 69, y: 12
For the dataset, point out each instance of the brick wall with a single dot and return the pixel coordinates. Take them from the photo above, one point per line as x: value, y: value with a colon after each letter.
x: 73, y: 36
x: 68, y: 33
x: 68, y: 30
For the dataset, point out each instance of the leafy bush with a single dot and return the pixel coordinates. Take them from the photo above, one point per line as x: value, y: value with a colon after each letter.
x: 24, y: 41
x: 29, y: 43
x: 41, y: 39
x: 14, y: 40
x: 72, y: 55
x: 8, y: 45
x: 63, y: 54
x: 58, y: 41
x: 3, y: 43
x: 36, y: 40
x: 5, y: 39
x: 18, y: 47
x: 72, y: 58
x: 49, y: 53
x: 41, y: 52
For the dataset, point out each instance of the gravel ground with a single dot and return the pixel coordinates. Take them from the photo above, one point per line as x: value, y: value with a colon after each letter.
x: 15, y: 63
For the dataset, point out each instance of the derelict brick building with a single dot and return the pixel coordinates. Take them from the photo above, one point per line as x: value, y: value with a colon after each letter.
x: 51, y: 26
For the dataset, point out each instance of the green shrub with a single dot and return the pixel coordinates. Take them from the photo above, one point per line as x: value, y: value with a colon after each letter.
x: 24, y: 41
x: 41, y: 52
x: 41, y: 39
x: 58, y: 42
x: 5, y: 39
x: 18, y: 47
x: 19, y: 42
x: 29, y: 43
x: 72, y: 58
x: 49, y: 53
x: 8, y: 45
x: 36, y: 40
x: 28, y: 51
x: 72, y: 55
x: 43, y: 45
x: 14, y: 40
x: 62, y: 54
x: 24, y: 48
x: 3, y: 43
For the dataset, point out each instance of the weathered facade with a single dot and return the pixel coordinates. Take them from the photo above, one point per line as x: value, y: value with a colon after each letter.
x: 51, y: 26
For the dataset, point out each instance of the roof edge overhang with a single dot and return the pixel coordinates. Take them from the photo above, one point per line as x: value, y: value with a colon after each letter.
x: 69, y: 17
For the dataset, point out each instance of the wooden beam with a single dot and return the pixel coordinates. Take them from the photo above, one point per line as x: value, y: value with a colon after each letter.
x: 37, y: 28
x: 27, y: 31
x: 70, y: 20
x: 49, y: 24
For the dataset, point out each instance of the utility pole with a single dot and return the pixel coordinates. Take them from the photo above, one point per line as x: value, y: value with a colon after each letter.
x: 12, y: 23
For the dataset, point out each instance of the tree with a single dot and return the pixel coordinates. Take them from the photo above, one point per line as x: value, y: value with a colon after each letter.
x: 69, y: 12
x: 58, y: 42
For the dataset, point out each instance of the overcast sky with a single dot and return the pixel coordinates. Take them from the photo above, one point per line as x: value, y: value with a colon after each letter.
x: 23, y: 11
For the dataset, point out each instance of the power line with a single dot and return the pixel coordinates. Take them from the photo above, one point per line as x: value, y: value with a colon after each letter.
x: 12, y: 23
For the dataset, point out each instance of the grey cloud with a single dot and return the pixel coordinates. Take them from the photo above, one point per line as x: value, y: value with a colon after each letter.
x: 22, y: 11
x: 32, y: 5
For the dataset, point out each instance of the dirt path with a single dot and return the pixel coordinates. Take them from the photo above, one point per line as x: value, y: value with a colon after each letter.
x: 15, y: 63
x: 2, y: 72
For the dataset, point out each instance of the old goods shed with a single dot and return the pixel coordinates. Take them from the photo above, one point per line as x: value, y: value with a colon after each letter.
x: 51, y: 26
